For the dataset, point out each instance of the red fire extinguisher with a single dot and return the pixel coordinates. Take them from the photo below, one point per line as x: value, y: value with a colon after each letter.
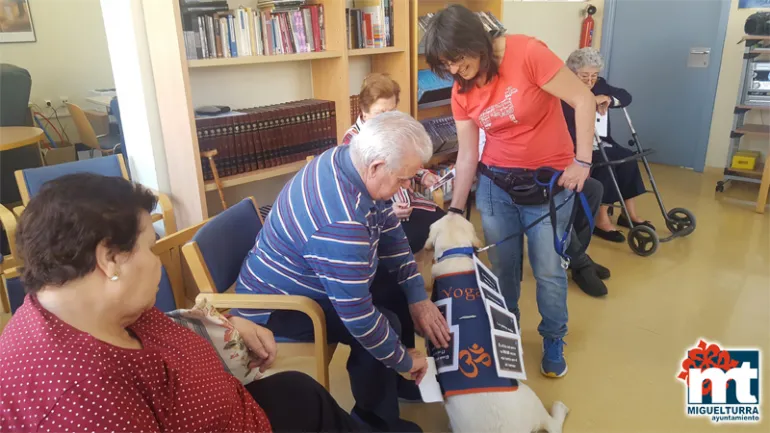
x: 587, y: 30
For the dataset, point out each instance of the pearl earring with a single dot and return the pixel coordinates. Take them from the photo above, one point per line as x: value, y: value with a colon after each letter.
x: 114, y: 277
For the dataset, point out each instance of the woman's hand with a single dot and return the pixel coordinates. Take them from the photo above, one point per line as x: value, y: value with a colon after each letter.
x: 428, y: 179
x: 603, y: 103
x: 419, y: 365
x: 402, y: 210
x: 574, y: 177
x: 259, y: 340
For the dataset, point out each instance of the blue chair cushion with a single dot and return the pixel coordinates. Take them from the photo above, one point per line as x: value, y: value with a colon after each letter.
x: 35, y: 178
x: 16, y: 293
x: 164, y: 300
x: 225, y: 241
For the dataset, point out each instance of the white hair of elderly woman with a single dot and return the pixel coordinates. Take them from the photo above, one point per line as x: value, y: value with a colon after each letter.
x: 390, y: 137
x: 585, y: 57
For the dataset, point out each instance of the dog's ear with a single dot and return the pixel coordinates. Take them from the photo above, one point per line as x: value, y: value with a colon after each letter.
x: 430, y: 244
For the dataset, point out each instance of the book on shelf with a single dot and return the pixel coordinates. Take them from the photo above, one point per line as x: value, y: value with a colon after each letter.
x: 370, y: 24
x: 355, y: 109
x: 432, y: 88
x: 250, y: 139
x: 212, y: 30
x: 442, y: 131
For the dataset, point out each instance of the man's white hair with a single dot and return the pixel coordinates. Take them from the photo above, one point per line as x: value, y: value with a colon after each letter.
x: 391, y: 137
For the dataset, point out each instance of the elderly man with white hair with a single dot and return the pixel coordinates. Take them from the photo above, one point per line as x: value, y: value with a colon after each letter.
x: 327, y: 233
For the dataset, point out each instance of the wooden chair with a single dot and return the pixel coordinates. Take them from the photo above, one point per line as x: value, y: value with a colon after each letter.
x: 104, y: 143
x: 11, y: 290
x: 29, y: 182
x: 8, y: 222
x: 215, y: 255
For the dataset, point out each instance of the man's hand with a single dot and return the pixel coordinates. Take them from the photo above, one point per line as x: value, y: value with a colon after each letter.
x: 603, y: 103
x: 574, y: 177
x: 402, y: 210
x: 430, y: 323
x: 419, y: 365
x: 259, y: 340
x: 429, y: 179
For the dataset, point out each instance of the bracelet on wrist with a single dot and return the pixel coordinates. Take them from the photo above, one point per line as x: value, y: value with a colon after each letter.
x: 455, y: 210
x: 583, y: 163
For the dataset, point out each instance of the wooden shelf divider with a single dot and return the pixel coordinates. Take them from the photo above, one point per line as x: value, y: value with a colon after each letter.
x: 373, y: 51
x: 253, y: 176
x: 255, y: 60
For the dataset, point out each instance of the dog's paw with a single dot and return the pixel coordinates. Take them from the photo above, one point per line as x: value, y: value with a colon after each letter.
x: 559, y: 410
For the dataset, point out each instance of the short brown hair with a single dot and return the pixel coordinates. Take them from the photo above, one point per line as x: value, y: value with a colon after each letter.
x: 377, y: 86
x: 456, y: 32
x: 62, y: 225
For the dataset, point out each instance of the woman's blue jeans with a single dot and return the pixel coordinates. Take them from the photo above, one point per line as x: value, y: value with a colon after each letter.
x: 500, y: 217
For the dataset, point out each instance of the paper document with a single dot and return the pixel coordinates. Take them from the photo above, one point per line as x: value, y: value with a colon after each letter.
x: 429, y: 387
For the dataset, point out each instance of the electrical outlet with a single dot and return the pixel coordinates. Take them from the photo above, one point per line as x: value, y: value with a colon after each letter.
x: 48, y: 103
x: 64, y: 100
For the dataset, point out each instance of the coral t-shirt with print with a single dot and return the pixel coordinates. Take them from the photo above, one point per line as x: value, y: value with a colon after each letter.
x: 524, y: 124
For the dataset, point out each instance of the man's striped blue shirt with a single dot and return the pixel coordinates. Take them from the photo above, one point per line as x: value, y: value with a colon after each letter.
x: 324, y: 238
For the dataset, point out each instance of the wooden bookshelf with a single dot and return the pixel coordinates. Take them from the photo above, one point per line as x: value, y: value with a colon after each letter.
x: 420, y: 8
x: 253, y: 176
x: 374, y: 51
x: 329, y: 79
x: 754, y: 129
x: 254, y: 60
x: 391, y: 60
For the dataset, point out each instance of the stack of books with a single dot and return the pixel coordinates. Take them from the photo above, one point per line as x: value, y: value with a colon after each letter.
x: 355, y: 109
x: 212, y: 30
x: 442, y: 132
x: 370, y: 24
x: 262, y: 137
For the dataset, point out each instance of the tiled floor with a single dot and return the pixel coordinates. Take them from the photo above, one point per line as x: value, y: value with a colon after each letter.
x: 624, y: 351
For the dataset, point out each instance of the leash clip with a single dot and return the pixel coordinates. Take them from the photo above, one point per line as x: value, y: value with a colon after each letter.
x: 564, y: 263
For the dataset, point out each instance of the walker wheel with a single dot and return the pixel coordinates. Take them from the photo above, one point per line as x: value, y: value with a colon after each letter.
x: 680, y: 221
x: 643, y: 240
x: 720, y: 186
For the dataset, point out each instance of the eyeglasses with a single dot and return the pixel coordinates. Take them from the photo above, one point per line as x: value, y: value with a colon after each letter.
x: 457, y: 62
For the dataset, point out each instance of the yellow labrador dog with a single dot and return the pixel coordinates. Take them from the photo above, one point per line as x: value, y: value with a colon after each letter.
x: 499, y: 404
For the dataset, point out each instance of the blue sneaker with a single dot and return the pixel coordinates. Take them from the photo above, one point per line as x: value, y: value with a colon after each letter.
x: 554, y: 364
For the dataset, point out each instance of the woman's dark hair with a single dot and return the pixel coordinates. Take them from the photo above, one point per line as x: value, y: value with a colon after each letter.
x: 62, y: 225
x: 456, y: 32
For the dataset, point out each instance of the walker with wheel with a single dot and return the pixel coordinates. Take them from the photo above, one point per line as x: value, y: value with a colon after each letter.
x: 643, y: 240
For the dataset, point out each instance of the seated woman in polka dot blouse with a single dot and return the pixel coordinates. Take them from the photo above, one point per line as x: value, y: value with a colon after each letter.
x: 88, y: 351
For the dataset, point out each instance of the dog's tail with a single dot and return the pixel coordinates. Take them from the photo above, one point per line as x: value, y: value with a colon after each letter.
x: 555, y: 422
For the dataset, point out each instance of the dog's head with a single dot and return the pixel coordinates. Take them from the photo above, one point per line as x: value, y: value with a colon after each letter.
x: 451, y: 231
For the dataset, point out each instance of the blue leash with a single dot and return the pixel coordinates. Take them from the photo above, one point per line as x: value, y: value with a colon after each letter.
x: 560, y: 242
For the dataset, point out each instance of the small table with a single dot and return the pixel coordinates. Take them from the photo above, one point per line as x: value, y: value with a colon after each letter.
x: 102, y: 100
x: 14, y: 142
x: 13, y: 137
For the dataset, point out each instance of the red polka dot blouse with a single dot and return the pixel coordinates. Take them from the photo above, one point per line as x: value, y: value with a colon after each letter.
x: 56, y: 378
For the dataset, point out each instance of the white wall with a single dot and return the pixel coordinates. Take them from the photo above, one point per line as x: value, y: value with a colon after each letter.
x: 70, y: 57
x: 727, y: 93
x: 557, y: 24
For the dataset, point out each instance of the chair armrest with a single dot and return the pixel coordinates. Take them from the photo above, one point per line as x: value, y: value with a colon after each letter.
x: 167, y: 210
x: 8, y: 220
x: 282, y: 302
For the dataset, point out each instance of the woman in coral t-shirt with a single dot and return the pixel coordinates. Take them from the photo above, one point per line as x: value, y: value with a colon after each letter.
x: 511, y: 87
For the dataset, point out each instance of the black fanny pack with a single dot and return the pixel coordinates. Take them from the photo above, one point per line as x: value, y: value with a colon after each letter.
x: 522, y: 184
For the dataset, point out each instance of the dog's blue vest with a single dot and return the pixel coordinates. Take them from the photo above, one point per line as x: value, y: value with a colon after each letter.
x: 476, y: 364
